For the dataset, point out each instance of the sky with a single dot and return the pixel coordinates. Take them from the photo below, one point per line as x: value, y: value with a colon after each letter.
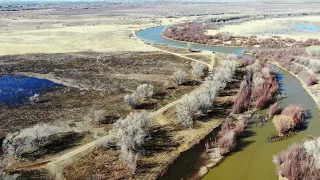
x: 122, y: 0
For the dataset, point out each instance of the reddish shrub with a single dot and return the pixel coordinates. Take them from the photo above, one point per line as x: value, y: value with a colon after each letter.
x: 274, y: 109
x: 227, y: 142
x: 307, y: 77
x: 227, y: 125
x: 239, y: 127
x: 296, y: 112
x: 243, y: 98
x: 295, y: 163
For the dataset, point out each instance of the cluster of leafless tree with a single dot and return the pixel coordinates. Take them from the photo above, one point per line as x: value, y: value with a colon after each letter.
x: 200, y: 101
x: 304, y: 62
x: 299, y: 161
x: 195, y: 32
x: 259, y: 86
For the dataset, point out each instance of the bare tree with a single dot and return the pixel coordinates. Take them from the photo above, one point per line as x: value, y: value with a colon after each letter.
x: 145, y: 90
x: 130, y: 134
x: 180, y: 77
x: 198, y: 69
x: 187, y: 109
x: 28, y: 139
x: 131, y: 100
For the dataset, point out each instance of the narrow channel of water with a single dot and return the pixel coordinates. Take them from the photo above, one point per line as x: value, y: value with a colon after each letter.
x: 253, y: 158
x: 153, y: 35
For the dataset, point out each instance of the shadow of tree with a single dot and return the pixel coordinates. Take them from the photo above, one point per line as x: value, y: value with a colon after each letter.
x: 160, y: 141
x: 58, y: 143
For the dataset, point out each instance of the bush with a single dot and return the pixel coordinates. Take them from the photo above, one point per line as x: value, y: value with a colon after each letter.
x: 227, y: 142
x: 130, y: 133
x: 29, y: 139
x: 283, y: 124
x: 308, y: 78
x: 187, y: 110
x: 312, y: 147
x: 295, y: 112
x: 200, y: 101
x: 180, y: 77
x: 145, y: 90
x: 242, y: 99
x: 313, y: 50
x: 274, y: 109
x: 296, y: 163
x: 131, y: 99
x: 198, y: 69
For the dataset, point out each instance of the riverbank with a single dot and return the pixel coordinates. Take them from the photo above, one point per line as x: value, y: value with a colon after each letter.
x: 308, y: 89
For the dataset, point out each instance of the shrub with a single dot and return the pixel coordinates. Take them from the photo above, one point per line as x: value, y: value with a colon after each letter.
x: 295, y: 112
x: 34, y: 99
x: 131, y: 100
x: 296, y: 163
x: 312, y: 147
x: 130, y: 133
x: 314, y: 65
x: 313, y: 50
x: 274, y: 109
x: 242, y: 99
x: 227, y: 142
x: 28, y: 139
x: 187, y: 110
x: 180, y: 77
x: 283, y: 124
x: 145, y: 90
x: 198, y: 69
x: 239, y: 127
x: 308, y: 78
x: 99, y: 116
x: 227, y: 125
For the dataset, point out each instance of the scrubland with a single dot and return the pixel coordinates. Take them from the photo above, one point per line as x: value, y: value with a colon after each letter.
x: 130, y: 108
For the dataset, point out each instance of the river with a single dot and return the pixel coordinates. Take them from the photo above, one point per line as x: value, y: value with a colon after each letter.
x: 253, y: 158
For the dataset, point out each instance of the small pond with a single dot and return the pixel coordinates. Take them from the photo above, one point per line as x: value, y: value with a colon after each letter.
x: 15, y: 90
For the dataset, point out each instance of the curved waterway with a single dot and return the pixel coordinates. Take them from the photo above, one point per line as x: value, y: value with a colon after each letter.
x: 252, y: 159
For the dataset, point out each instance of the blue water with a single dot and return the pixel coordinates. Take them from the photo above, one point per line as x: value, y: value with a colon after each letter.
x: 153, y: 35
x: 306, y: 27
x: 16, y: 90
